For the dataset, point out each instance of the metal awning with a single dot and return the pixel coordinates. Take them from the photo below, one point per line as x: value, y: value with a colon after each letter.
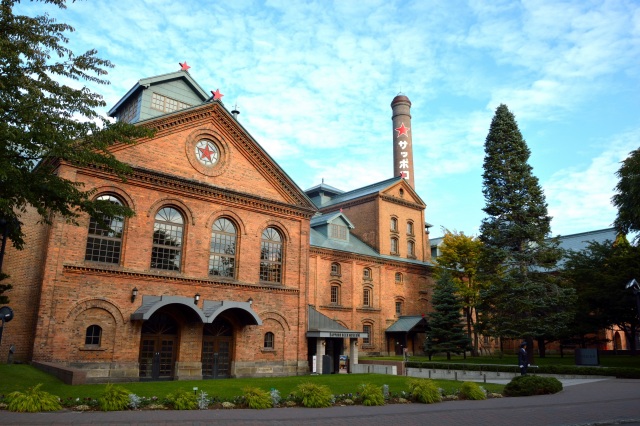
x: 409, y: 324
x: 211, y: 309
x: 321, y: 325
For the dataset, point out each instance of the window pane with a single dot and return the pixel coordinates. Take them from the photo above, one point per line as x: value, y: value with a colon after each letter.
x: 93, y: 335
x: 271, y: 256
x: 167, y: 240
x: 223, y: 249
x: 104, y: 242
x: 367, y: 329
x: 334, y: 294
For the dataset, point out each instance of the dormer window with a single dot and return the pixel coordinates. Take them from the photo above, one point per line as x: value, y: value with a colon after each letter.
x: 165, y: 104
x: 338, y: 232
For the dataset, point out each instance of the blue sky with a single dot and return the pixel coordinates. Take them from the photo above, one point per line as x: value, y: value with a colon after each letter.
x: 314, y: 82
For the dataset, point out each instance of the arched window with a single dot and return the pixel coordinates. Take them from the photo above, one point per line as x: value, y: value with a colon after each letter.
x: 335, y: 269
x: 366, y: 273
x: 367, y: 329
x: 394, y: 245
x: 167, y: 239
x: 335, y: 294
x: 394, y: 224
x: 411, y: 248
x: 222, y: 254
x: 93, y: 336
x: 104, y: 243
x: 271, y: 256
x: 398, y: 307
x: 399, y: 277
x: 366, y: 296
x: 409, y: 228
x: 269, y: 340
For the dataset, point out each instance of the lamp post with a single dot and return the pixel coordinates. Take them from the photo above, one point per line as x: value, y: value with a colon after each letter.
x: 635, y: 286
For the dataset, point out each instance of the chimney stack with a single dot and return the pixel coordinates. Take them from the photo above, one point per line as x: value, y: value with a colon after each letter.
x: 402, y: 145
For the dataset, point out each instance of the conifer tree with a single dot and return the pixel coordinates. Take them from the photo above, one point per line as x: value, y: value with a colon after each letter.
x: 446, y: 323
x: 627, y: 197
x: 522, y: 298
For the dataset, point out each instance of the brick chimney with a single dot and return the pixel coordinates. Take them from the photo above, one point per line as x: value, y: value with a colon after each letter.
x: 402, y: 145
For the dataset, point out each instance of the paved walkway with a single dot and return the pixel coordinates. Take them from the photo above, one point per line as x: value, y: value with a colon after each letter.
x: 582, y: 402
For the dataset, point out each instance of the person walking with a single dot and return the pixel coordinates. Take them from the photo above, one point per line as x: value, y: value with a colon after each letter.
x: 523, y: 360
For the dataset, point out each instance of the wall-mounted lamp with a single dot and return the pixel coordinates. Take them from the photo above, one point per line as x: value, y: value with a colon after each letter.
x: 250, y: 301
x: 134, y: 294
x: 196, y: 298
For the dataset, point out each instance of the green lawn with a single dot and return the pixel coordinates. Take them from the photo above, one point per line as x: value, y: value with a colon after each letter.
x: 20, y: 377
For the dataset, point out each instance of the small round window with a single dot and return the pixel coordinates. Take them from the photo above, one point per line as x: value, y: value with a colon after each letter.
x: 207, y: 152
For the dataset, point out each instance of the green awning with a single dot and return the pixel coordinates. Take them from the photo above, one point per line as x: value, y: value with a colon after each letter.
x: 409, y: 324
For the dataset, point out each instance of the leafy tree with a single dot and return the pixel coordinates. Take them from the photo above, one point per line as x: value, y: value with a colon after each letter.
x: 627, y: 198
x: 522, y: 297
x: 599, y: 274
x: 460, y: 255
x: 447, y: 329
x: 45, y: 123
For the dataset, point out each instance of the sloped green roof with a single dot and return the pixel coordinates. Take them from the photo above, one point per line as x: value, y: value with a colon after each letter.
x: 406, y: 324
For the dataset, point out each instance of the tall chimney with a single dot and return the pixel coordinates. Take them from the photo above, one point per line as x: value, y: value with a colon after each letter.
x: 402, y: 145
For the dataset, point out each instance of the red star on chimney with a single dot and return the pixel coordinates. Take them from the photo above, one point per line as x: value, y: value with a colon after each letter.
x: 402, y: 130
x: 217, y: 95
x: 184, y: 66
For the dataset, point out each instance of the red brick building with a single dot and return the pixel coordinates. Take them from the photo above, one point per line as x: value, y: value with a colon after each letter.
x: 228, y: 268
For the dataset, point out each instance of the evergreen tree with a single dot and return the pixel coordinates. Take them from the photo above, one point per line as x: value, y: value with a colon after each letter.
x: 460, y: 254
x: 446, y: 323
x: 522, y: 298
x: 44, y: 122
x: 627, y: 197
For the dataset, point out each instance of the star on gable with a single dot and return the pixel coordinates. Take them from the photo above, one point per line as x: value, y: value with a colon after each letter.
x: 402, y: 130
x: 206, y: 152
x: 217, y: 95
x: 184, y: 66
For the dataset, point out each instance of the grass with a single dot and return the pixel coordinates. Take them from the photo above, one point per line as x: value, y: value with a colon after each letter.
x: 623, y: 361
x: 20, y: 377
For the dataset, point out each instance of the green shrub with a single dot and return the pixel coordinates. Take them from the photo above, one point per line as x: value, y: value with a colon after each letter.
x: 183, y: 400
x: 33, y: 400
x: 371, y: 394
x: 425, y: 391
x: 472, y: 390
x: 114, y: 398
x: 311, y: 395
x: 532, y: 385
x: 257, y: 398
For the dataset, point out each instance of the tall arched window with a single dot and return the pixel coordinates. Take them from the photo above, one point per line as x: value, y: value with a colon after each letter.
x: 93, y: 336
x: 335, y: 294
x: 271, y: 256
x: 269, y: 340
x: 366, y: 296
x: 411, y: 249
x: 394, y: 224
x: 394, y: 245
x: 409, y: 227
x: 222, y: 255
x: 104, y: 243
x: 369, y: 339
x: 167, y: 239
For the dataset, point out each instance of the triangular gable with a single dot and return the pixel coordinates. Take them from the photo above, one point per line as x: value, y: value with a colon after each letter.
x: 409, y: 194
x: 321, y: 325
x: 333, y: 217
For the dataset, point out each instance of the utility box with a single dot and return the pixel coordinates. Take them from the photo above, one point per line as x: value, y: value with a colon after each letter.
x: 587, y: 357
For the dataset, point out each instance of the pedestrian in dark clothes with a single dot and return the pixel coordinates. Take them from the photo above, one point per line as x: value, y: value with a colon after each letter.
x: 523, y: 360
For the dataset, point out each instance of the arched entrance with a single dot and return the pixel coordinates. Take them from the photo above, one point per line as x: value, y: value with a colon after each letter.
x: 158, y: 347
x: 217, y: 349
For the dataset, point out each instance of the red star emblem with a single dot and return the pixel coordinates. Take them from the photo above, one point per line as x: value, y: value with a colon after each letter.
x: 184, y: 66
x: 206, y: 153
x: 217, y: 95
x: 402, y: 130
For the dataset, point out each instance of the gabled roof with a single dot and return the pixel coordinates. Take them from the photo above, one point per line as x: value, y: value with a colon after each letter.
x: 368, y: 190
x: 577, y: 242
x: 146, y: 82
x: 323, y: 187
x: 324, y: 219
x: 408, y: 323
x: 321, y: 325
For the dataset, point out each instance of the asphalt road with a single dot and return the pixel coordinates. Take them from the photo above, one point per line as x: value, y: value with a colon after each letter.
x: 581, y: 402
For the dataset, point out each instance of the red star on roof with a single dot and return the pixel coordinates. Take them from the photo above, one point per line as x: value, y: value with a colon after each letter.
x: 184, y: 66
x: 206, y: 153
x: 402, y: 130
x: 217, y: 95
